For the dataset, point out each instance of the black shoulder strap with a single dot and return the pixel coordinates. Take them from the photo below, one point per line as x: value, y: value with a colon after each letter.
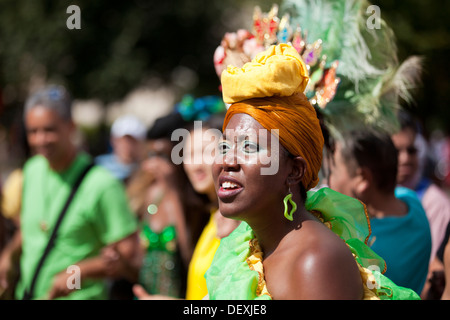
x: 28, y: 295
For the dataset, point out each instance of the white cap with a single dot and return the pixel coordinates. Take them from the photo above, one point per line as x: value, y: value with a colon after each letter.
x: 128, y: 125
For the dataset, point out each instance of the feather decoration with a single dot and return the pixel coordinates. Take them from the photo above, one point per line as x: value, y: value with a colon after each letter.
x: 341, y: 25
x: 405, y: 79
x: 372, y: 81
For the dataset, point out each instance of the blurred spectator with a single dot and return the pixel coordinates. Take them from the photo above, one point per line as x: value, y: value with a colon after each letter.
x: 364, y: 166
x: 194, y: 146
x: 9, y: 266
x: 439, y: 277
x: 446, y: 160
x: 444, y: 256
x: 200, y: 175
x: 413, y: 173
x: 127, y: 138
x: 157, y: 194
x: 127, y: 142
x: 12, y: 195
x: 7, y: 229
x: 97, y: 217
x: 440, y: 150
x: 10, y: 198
x: 159, y: 143
x: 11, y: 201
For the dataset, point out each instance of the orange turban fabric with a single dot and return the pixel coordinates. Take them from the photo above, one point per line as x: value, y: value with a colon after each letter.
x: 292, y: 115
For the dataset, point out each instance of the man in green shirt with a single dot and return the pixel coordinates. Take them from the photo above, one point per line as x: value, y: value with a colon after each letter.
x: 98, y: 216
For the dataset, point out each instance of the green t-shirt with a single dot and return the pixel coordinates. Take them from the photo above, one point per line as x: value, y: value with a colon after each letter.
x: 98, y: 215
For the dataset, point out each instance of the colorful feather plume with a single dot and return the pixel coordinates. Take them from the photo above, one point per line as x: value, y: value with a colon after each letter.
x: 373, y: 85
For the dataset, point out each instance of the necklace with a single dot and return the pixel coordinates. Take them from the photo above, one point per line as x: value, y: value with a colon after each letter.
x: 255, y: 263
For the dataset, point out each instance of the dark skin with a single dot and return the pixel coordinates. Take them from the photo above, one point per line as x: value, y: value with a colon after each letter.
x: 303, y: 259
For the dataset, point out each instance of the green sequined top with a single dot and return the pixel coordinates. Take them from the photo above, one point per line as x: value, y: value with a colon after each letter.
x: 161, y: 271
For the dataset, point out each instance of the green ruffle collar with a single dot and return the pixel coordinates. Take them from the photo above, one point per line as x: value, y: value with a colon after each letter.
x: 230, y: 278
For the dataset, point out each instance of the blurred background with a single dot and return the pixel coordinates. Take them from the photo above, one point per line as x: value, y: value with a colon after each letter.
x: 142, y: 56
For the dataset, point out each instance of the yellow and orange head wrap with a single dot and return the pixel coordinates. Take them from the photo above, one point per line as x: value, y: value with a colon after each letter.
x: 270, y: 89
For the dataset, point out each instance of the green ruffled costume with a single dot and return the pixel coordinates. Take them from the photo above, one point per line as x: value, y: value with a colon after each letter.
x: 231, y: 278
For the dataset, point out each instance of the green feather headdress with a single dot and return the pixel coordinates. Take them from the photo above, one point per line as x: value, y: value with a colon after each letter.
x: 372, y: 82
x: 355, y: 77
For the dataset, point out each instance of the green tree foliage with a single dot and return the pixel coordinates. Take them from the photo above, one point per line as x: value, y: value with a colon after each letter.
x: 122, y: 44
x: 423, y: 28
x: 119, y: 46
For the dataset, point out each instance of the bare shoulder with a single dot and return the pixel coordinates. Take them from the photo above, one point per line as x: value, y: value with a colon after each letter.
x: 322, y: 267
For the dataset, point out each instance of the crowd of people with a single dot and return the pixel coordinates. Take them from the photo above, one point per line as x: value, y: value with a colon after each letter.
x: 168, y: 228
x: 353, y: 215
x: 143, y: 227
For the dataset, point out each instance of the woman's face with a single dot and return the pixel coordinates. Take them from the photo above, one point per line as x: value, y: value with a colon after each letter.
x: 242, y: 185
x: 197, y: 169
x: 408, y: 159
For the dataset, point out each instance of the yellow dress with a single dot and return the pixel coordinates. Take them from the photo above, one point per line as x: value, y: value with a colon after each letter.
x: 12, y: 195
x: 201, y: 260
